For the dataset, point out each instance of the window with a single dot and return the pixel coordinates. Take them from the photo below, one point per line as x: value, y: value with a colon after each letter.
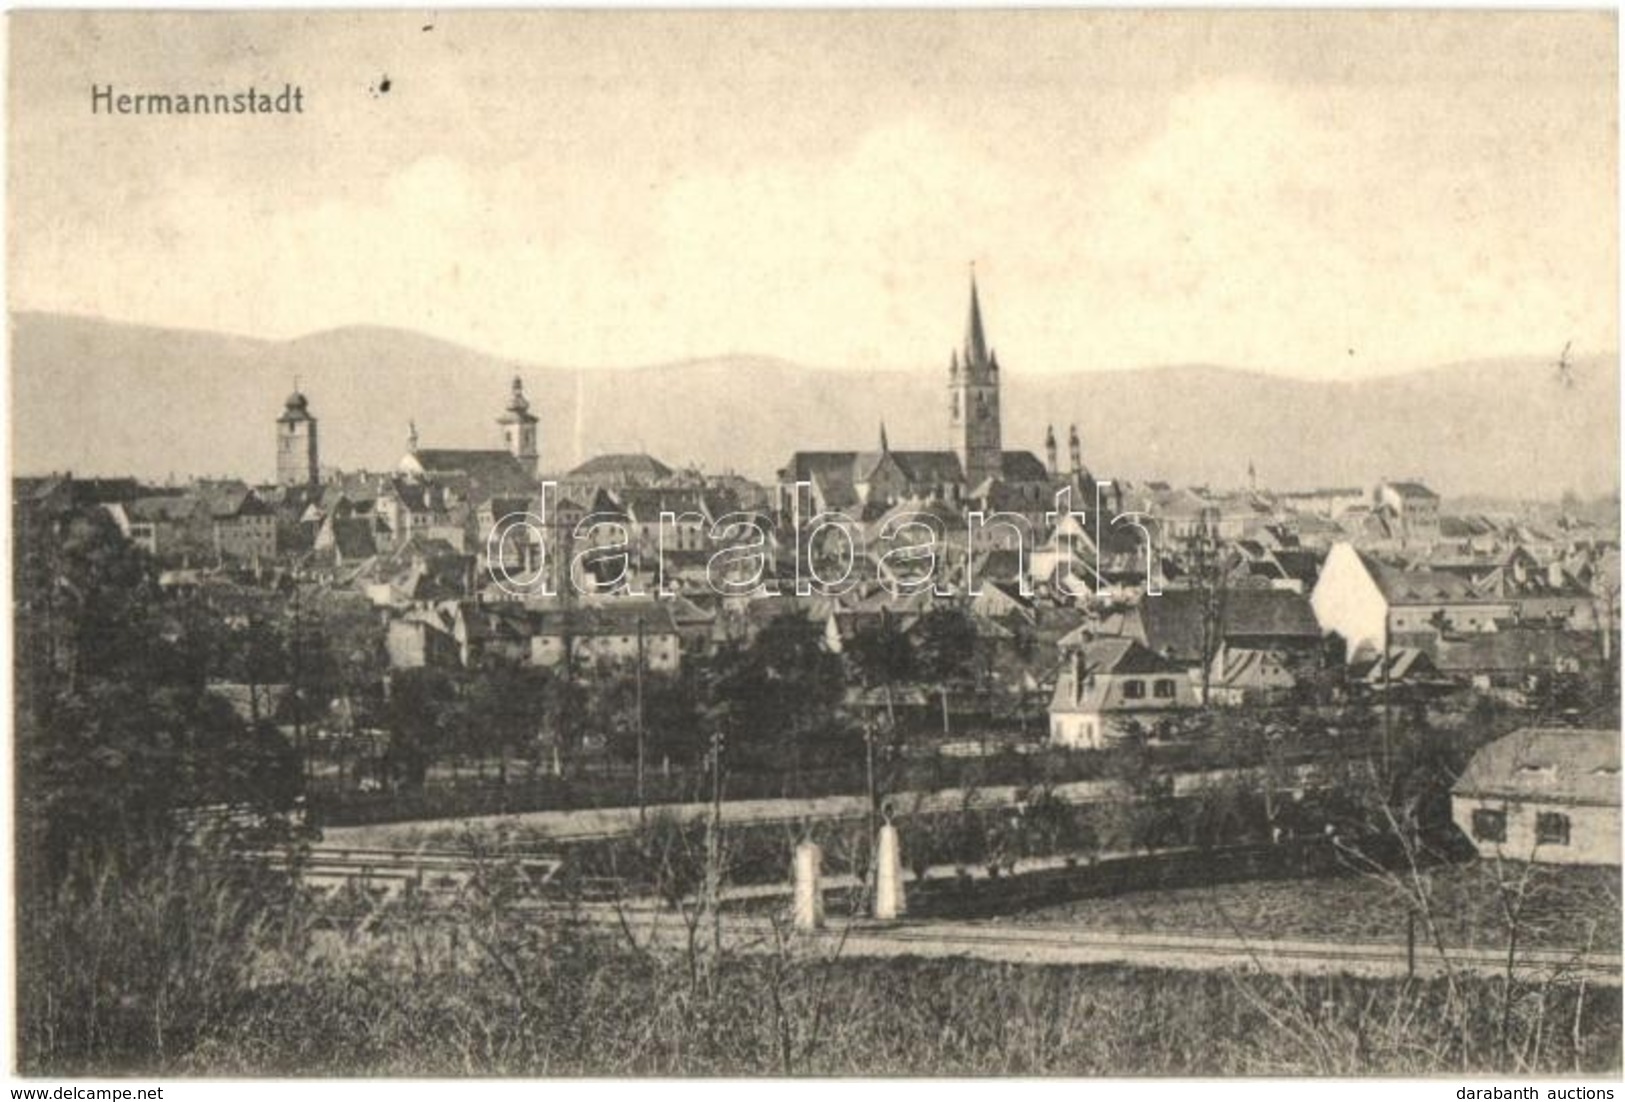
x: 1134, y: 690
x: 1551, y: 829
x: 1163, y: 688
x: 1489, y: 825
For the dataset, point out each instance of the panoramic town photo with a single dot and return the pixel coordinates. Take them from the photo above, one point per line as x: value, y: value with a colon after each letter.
x: 737, y: 544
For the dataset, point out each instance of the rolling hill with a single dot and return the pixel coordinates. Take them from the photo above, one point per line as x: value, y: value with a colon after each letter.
x: 101, y: 397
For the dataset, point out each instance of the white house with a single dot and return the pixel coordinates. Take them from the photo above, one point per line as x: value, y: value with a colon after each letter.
x: 1110, y: 684
x: 1364, y: 600
x: 1543, y: 794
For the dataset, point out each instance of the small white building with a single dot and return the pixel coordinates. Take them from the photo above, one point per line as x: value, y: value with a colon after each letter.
x: 1110, y: 684
x: 1543, y: 794
x: 608, y: 635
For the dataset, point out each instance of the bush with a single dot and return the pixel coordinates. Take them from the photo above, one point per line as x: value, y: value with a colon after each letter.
x: 121, y: 973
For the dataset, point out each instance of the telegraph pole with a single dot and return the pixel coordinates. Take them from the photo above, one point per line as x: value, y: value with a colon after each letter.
x: 869, y: 754
x: 1387, y: 700
x: 642, y: 803
x: 296, y: 651
x: 566, y: 592
x: 713, y: 843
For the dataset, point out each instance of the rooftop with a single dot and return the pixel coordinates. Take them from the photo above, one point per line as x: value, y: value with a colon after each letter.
x: 1547, y: 764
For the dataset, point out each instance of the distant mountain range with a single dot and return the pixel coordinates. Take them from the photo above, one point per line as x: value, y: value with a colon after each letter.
x: 100, y: 397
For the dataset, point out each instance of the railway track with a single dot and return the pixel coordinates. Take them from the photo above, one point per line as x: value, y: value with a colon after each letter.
x: 390, y: 873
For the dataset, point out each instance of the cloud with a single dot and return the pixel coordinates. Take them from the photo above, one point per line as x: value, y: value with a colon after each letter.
x: 1253, y: 223
x: 834, y: 256
x: 1270, y: 227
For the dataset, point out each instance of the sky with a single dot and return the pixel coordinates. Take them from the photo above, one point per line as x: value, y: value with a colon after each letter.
x: 1324, y: 195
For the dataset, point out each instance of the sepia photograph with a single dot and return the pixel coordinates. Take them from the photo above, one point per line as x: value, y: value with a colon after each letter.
x: 1067, y: 544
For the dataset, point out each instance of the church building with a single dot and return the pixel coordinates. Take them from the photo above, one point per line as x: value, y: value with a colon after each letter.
x: 975, y: 469
x: 438, y: 492
x: 509, y: 469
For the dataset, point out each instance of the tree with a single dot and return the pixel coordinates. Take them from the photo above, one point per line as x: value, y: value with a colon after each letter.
x: 421, y: 702
x: 115, y: 731
x: 672, y: 720
x: 945, y: 650
x: 945, y: 645
x: 882, y: 656
x: 1140, y: 815
x: 778, y: 701
x: 498, y: 711
x: 123, y: 884
x: 346, y: 657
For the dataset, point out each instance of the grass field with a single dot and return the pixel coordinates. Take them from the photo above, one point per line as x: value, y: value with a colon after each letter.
x: 622, y: 1015
x: 1563, y: 908
x: 485, y: 989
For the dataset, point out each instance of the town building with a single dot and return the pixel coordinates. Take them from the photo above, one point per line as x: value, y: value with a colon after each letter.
x: 1549, y: 795
x: 1415, y: 506
x: 1110, y: 688
x: 241, y: 526
x: 608, y: 636
x: 1240, y: 676
x: 1368, y: 602
x: 615, y: 471
x: 1327, y: 503
x: 1190, y: 625
x: 160, y: 524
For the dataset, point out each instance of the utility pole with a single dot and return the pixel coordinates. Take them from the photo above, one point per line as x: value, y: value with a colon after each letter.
x: 565, y: 587
x: 297, y: 649
x: 1213, y: 579
x: 713, y: 844
x: 869, y: 749
x: 643, y: 813
x: 1387, y: 699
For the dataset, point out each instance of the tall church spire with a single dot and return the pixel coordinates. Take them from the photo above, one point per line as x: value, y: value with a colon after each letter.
x: 973, y: 400
x: 975, y: 339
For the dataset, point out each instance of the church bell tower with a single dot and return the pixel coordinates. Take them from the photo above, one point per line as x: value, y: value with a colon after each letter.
x: 297, y: 462
x: 973, y: 388
x: 519, y: 429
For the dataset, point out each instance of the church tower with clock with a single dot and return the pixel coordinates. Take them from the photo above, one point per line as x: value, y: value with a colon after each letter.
x: 973, y: 388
